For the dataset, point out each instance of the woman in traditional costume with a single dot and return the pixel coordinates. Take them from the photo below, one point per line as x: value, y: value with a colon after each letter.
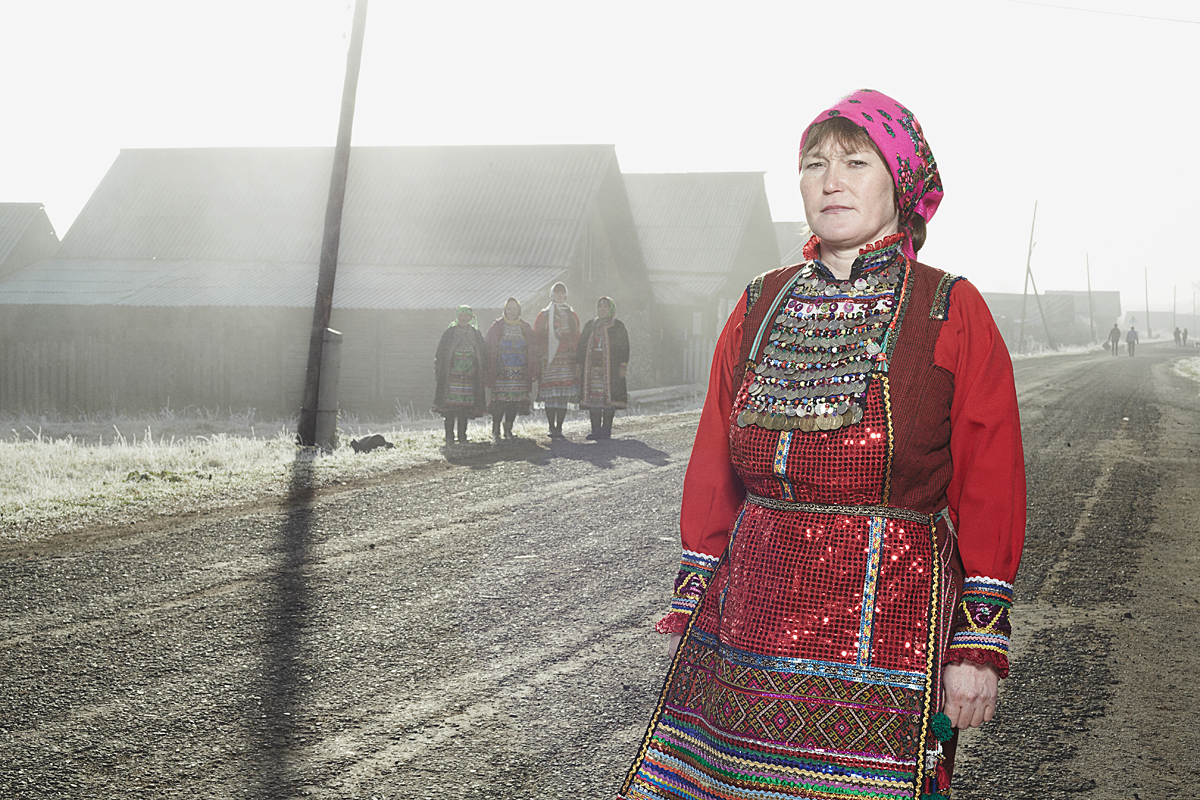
x: 511, y: 366
x: 459, y: 369
x: 603, y: 359
x: 557, y: 331
x: 854, y: 507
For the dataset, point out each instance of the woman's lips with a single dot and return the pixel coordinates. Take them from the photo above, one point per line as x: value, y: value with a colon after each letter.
x: 834, y: 209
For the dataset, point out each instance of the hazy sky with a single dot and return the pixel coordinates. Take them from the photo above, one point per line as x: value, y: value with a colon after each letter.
x: 1077, y: 104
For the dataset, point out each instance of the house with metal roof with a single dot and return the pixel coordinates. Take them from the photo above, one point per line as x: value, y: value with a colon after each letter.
x: 190, y: 275
x: 705, y: 236
x: 791, y: 236
x: 26, y: 236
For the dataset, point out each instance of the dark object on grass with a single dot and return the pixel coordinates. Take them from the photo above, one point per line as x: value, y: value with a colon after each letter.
x: 369, y: 443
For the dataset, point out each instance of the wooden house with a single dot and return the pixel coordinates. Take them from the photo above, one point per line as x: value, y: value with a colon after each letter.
x: 189, y: 277
x: 705, y: 236
x: 26, y: 236
x: 791, y: 237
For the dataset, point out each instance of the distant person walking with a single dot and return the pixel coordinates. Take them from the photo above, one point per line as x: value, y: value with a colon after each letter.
x: 1177, y: 342
x: 557, y: 332
x: 603, y: 356
x: 1114, y: 339
x: 1131, y: 340
x: 459, y: 369
x: 511, y: 367
x: 1185, y: 337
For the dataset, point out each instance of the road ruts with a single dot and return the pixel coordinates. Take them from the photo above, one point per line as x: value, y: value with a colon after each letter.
x: 480, y: 628
x: 1101, y: 699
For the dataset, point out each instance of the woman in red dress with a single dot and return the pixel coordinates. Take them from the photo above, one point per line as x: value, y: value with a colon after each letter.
x: 854, y: 507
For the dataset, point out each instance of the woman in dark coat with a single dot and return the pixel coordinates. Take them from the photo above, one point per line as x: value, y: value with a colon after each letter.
x: 603, y: 357
x: 512, y: 366
x: 460, y: 368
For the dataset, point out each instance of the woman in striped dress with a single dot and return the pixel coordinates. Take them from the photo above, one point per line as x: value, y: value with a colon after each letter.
x: 557, y: 332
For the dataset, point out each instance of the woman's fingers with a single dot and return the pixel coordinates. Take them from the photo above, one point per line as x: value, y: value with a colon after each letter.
x: 970, y: 693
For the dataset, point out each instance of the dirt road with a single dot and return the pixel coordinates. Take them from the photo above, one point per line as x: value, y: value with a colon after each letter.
x: 480, y: 628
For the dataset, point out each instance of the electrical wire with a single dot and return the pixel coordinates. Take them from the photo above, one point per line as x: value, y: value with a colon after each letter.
x: 1110, y: 13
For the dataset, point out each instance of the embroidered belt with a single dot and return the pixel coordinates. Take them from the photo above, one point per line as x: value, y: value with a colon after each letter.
x: 858, y: 511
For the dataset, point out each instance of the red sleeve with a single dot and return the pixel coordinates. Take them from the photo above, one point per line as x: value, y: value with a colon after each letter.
x: 712, y: 491
x: 987, y: 491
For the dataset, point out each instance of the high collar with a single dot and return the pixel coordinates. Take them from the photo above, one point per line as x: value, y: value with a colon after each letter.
x: 871, y: 257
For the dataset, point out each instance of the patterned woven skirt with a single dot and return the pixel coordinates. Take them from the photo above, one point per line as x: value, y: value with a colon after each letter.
x: 559, y: 385
x: 810, y: 668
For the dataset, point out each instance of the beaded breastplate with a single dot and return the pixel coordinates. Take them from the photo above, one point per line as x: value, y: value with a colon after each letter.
x: 822, y: 341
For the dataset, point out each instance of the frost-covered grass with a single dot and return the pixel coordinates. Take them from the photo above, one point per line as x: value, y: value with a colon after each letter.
x: 1188, y: 368
x: 59, y: 472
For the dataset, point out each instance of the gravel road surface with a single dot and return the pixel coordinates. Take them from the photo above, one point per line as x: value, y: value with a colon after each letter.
x: 481, y: 627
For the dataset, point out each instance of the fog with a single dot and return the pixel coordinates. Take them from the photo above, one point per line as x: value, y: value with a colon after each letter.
x: 1021, y: 101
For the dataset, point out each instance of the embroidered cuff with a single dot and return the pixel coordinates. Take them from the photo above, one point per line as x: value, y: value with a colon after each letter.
x: 694, y: 573
x: 981, y: 624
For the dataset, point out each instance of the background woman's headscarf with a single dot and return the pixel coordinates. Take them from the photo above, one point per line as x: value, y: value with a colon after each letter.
x: 552, y: 341
x: 464, y: 310
x: 612, y: 304
x: 895, y: 131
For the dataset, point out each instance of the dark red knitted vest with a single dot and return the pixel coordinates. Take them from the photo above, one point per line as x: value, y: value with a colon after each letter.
x: 919, y: 392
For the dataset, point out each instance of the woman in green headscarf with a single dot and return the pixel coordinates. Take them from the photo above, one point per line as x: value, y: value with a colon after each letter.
x: 603, y: 355
x: 459, y: 369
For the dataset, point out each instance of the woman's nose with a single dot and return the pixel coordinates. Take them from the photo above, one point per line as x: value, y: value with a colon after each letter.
x: 833, y: 179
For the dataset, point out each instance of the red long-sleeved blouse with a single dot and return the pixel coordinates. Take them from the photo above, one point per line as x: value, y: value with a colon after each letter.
x: 986, y: 493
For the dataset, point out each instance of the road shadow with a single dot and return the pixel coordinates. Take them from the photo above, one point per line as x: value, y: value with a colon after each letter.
x: 287, y: 609
x: 605, y: 452
x: 485, y: 455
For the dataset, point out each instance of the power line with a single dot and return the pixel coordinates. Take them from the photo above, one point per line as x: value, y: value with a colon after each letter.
x: 1110, y: 13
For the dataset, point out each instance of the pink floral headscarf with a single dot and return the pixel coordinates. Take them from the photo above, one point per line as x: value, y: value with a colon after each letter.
x: 897, y: 134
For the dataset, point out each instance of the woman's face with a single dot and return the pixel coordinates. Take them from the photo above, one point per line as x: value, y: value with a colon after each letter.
x: 559, y: 297
x: 464, y: 318
x: 849, y: 198
x: 603, y: 310
x: 512, y: 310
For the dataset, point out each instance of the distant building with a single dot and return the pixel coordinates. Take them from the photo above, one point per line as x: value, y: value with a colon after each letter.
x: 1067, y: 316
x: 189, y: 277
x: 26, y: 236
x: 704, y: 236
x: 791, y: 237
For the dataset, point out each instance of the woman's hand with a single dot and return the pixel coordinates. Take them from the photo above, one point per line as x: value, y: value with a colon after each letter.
x: 622, y: 370
x: 970, y: 693
x: 673, y: 645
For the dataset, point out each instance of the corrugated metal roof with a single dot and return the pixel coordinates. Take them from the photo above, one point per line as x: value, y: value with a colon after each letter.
x: 183, y: 283
x: 439, y: 206
x: 791, y: 237
x: 678, y: 289
x: 15, y: 219
x: 693, y: 223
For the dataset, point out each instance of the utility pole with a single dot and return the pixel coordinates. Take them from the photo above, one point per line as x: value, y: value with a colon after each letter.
x: 306, y: 429
x: 1025, y: 291
x: 1029, y: 280
x: 1174, y: 293
x: 1091, y: 314
x: 1146, y: 286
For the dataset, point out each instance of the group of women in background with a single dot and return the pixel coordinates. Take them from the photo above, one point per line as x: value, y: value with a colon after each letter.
x: 572, y: 368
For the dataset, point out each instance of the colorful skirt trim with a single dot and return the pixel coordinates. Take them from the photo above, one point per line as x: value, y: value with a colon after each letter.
x: 779, y: 691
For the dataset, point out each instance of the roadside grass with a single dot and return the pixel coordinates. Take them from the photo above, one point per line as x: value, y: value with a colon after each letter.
x: 62, y: 472
x: 1188, y: 368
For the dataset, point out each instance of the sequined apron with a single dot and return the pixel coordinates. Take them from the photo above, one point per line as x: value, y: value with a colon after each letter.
x: 811, y: 667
